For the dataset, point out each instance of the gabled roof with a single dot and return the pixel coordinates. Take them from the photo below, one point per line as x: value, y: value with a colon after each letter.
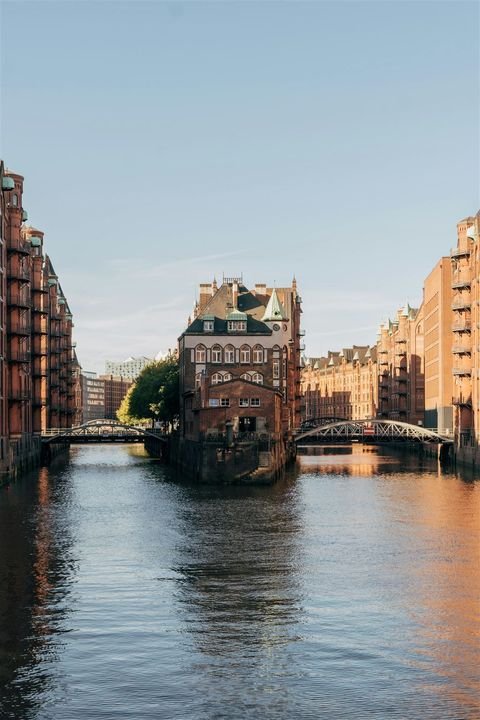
x: 274, y: 309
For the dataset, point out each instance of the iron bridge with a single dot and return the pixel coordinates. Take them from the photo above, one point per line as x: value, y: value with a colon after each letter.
x: 100, y: 431
x: 371, y: 431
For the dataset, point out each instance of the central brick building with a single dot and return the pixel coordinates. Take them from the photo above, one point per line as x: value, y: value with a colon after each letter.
x: 240, y: 361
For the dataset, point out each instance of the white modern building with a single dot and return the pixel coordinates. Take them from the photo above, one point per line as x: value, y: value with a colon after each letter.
x: 129, y: 368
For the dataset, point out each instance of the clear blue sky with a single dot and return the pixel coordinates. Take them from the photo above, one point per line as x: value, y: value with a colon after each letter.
x: 165, y: 142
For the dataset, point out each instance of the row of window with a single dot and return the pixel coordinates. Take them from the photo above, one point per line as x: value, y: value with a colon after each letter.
x: 218, y: 378
x: 227, y: 355
x: 242, y: 402
x: 232, y: 325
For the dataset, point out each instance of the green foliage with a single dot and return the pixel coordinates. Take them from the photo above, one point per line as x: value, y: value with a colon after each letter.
x: 155, y: 394
x: 123, y: 412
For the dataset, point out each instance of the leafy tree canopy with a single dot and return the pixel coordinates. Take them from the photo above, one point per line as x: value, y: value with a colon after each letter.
x: 155, y: 394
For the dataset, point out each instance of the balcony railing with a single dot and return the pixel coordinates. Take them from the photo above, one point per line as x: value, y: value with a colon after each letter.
x: 459, y: 252
x: 18, y: 328
x: 18, y: 273
x: 461, y: 304
x: 461, y: 283
x: 464, y: 327
x: 18, y: 300
x: 461, y: 371
x: 462, y: 349
x: 19, y: 246
x: 19, y: 395
x: 19, y: 356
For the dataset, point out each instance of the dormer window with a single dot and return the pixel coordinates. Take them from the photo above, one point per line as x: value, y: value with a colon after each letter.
x: 237, y: 326
x: 208, y: 326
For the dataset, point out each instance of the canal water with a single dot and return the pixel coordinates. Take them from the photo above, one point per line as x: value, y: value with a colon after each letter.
x: 348, y: 590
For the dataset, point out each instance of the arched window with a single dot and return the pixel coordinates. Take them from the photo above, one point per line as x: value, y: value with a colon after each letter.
x: 15, y: 200
x: 227, y: 376
x: 200, y: 354
x: 217, y: 378
x: 258, y: 354
x: 246, y: 376
x: 229, y: 354
x: 216, y: 354
x: 198, y: 379
x: 257, y: 378
x: 245, y: 354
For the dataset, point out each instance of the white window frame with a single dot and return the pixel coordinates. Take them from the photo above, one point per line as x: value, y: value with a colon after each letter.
x: 208, y: 326
x: 217, y: 378
x: 224, y: 402
x: 258, y: 355
x: 255, y: 402
x: 246, y: 376
x: 245, y: 355
x: 257, y: 378
x: 227, y: 376
x: 216, y: 352
x: 200, y: 354
x: 229, y: 354
x: 243, y: 402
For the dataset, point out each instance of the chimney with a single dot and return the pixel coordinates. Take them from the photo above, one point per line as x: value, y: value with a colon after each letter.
x: 260, y: 289
x: 205, y: 295
x: 235, y: 293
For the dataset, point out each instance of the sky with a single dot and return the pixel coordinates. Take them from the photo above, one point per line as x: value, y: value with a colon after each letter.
x: 165, y: 143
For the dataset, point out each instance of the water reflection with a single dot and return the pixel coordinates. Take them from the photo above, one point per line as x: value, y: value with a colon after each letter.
x: 35, y: 575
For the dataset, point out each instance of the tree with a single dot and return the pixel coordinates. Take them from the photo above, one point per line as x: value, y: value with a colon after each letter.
x: 155, y: 394
x: 123, y: 412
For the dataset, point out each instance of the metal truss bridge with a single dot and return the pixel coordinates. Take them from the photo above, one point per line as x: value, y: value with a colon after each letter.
x: 370, y: 431
x: 100, y: 431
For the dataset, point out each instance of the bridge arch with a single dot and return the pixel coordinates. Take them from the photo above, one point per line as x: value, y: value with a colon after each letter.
x: 371, y: 430
x: 100, y: 431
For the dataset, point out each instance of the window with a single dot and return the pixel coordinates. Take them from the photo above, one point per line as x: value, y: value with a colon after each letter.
x: 208, y: 326
x: 227, y: 376
x: 198, y: 379
x: 257, y: 378
x: 237, y: 326
x: 245, y: 354
x: 15, y: 200
x: 246, y: 376
x: 225, y: 402
x: 216, y: 354
x: 258, y: 354
x: 229, y: 354
x: 200, y: 354
x: 243, y: 402
x: 254, y: 402
x: 276, y: 369
x: 217, y: 378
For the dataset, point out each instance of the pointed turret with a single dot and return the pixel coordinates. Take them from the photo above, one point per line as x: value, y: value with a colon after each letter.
x: 274, y: 309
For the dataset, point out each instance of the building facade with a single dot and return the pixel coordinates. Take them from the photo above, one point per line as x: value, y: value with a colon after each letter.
x: 465, y: 283
x: 115, y: 389
x: 36, y: 349
x: 93, y: 397
x: 239, y: 360
x: 342, y: 385
x: 401, y: 367
x: 129, y: 369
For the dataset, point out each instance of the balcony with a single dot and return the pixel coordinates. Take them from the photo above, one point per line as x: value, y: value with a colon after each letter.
x: 462, y: 402
x: 39, y: 372
x: 462, y: 327
x: 19, y: 395
x: 38, y: 307
x: 19, y: 356
x: 55, y: 332
x: 18, y: 300
x: 461, y: 305
x: 462, y: 349
x: 19, y: 246
x: 459, y: 253
x: 462, y: 372
x: 461, y: 283
x: 38, y: 401
x: 19, y: 328
x: 40, y: 328
x: 18, y: 273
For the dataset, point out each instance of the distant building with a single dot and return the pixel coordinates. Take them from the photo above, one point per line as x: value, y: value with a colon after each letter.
x: 129, y: 368
x: 115, y: 389
x: 93, y: 396
x: 343, y: 385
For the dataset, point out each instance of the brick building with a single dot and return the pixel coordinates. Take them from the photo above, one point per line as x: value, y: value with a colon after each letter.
x: 342, y: 385
x: 401, y: 367
x: 36, y: 349
x: 239, y: 360
x: 93, y: 396
x: 115, y: 389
